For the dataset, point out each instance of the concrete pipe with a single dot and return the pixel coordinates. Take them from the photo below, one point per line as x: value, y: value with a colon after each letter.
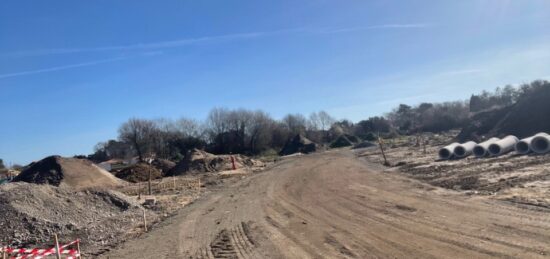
x: 447, y: 152
x: 464, y: 150
x: 481, y: 149
x: 503, y: 146
x: 541, y: 144
x: 524, y: 146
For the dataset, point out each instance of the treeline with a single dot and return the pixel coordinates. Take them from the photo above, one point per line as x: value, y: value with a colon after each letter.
x: 224, y: 131
x: 255, y: 132
x: 503, y: 96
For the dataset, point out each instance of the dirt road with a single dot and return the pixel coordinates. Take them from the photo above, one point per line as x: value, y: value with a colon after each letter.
x: 334, y: 205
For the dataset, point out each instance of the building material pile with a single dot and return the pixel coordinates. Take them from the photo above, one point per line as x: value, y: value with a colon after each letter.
x: 32, y: 214
x: 69, y: 172
x: 538, y: 143
x: 198, y: 161
x: 298, y: 144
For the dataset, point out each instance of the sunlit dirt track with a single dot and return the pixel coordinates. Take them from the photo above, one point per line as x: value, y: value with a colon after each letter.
x: 334, y: 205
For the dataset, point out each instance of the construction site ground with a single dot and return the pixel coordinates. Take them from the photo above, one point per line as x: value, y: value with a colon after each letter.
x: 344, y: 204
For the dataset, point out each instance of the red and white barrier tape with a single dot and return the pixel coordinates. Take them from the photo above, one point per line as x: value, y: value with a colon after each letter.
x: 35, y: 253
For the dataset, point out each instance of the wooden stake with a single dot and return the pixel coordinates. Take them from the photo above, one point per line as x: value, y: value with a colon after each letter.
x: 382, y: 149
x: 199, y: 191
x: 139, y: 191
x: 424, y: 144
x: 57, y: 252
x: 144, y: 221
x: 174, y: 180
x: 150, y: 176
x: 78, y: 248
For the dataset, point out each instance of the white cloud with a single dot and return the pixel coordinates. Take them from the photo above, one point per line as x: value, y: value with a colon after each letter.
x: 148, y: 46
x: 58, y: 68
x: 374, y: 27
x: 203, y: 40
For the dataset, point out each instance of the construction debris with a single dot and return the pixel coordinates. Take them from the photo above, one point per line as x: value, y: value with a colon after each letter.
x: 32, y: 214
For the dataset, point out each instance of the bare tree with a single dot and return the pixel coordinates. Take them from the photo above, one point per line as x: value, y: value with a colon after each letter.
x: 259, y: 131
x: 325, y: 120
x: 140, y: 134
x: 216, y: 122
x: 313, y: 122
x: 295, y: 123
x: 190, y: 128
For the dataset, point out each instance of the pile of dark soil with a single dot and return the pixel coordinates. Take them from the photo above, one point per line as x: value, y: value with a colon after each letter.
x: 198, y: 161
x: 341, y: 141
x: 163, y: 165
x: 298, y: 144
x: 139, y: 173
x: 32, y: 214
x: 364, y: 144
x: 71, y: 172
x: 528, y: 116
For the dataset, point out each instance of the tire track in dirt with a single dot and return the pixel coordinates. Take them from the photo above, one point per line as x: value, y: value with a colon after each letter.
x: 333, y: 205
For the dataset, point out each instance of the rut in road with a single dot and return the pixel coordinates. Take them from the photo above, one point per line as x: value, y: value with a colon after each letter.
x: 233, y: 243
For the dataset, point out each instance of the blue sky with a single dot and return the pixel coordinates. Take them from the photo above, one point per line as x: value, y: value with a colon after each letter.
x: 72, y: 71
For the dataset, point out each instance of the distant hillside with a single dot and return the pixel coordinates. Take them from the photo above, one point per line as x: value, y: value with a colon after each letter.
x: 528, y: 116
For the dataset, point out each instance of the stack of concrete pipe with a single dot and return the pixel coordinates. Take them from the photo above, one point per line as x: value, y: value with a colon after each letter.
x: 465, y: 149
x: 539, y: 143
x: 503, y: 146
x: 447, y: 152
x: 481, y: 149
x: 525, y: 146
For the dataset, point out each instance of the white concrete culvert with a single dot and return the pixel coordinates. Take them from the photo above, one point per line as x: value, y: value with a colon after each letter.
x: 447, y: 151
x: 503, y: 146
x: 464, y: 150
x: 541, y: 144
x: 524, y: 146
x: 481, y: 149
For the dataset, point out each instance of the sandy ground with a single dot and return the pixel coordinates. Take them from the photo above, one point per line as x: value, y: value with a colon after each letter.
x: 335, y: 205
x: 522, y: 179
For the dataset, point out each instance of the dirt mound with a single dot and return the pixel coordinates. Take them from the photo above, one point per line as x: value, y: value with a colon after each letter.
x: 364, y: 144
x: 528, y: 116
x: 198, y: 161
x: 341, y: 141
x: 32, y: 214
x: 298, y: 144
x: 163, y: 165
x: 139, y: 173
x: 71, y: 172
